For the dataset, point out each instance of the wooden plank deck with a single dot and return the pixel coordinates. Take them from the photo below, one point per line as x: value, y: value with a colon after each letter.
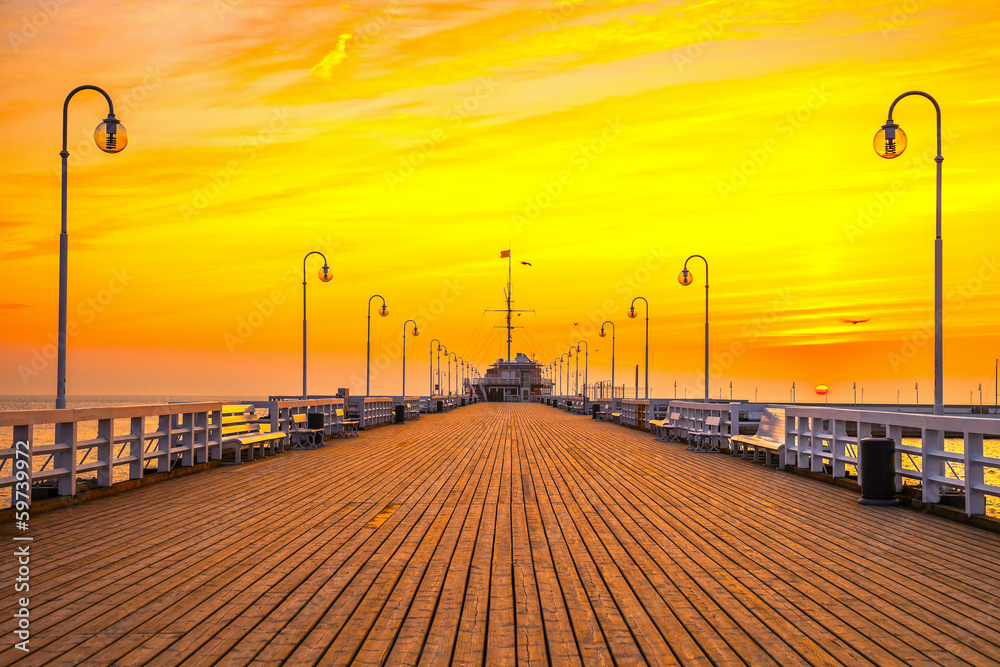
x: 502, y: 534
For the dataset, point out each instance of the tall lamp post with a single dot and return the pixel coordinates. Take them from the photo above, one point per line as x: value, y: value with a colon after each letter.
x: 431, y: 354
x: 459, y: 376
x: 111, y: 137
x: 560, y: 373
x: 686, y: 278
x: 890, y: 142
x: 612, y: 353
x: 632, y: 314
x: 586, y: 368
x: 448, y: 357
x: 383, y: 311
x: 325, y: 276
x: 415, y: 333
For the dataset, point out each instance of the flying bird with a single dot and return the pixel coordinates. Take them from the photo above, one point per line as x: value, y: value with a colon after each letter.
x: 847, y: 321
x: 576, y: 323
x: 526, y: 263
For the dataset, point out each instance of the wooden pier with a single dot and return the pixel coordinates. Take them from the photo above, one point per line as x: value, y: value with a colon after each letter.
x: 500, y: 534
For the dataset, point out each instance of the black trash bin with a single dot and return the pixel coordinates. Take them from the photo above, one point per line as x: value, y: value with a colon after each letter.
x: 400, y: 414
x: 463, y: 402
x: 315, y: 420
x: 440, y: 406
x: 877, y: 465
x: 594, y: 409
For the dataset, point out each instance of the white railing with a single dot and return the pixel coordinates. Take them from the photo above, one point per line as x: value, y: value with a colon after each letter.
x: 281, y: 412
x: 372, y: 411
x: 693, y: 414
x: 113, y: 443
x: 815, y: 436
x: 634, y: 413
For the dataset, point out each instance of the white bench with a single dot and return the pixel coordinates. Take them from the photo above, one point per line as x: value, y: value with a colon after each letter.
x: 344, y: 428
x: 301, y: 436
x: 411, y: 411
x: 705, y: 439
x: 664, y: 429
x: 241, y: 433
x: 767, y: 443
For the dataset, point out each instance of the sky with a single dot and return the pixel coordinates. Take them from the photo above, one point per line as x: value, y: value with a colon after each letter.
x: 410, y: 142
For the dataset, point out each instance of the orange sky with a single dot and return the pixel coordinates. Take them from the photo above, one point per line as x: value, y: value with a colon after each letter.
x: 410, y: 141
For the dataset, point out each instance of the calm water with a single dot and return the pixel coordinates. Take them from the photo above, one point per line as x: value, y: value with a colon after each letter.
x: 45, y: 434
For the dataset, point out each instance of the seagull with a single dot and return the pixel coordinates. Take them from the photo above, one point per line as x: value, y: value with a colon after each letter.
x: 847, y: 321
x: 526, y: 263
x: 576, y: 323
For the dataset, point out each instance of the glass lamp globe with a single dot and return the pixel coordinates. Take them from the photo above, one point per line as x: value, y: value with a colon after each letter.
x: 325, y: 275
x: 110, y: 135
x: 602, y: 334
x: 889, y: 148
x: 631, y: 312
x: 415, y: 332
x: 685, y: 277
x: 383, y: 311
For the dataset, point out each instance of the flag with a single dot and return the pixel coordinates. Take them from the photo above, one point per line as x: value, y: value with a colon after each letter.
x: 504, y: 253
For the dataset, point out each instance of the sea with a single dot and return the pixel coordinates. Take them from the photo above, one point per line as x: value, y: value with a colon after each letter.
x: 45, y: 434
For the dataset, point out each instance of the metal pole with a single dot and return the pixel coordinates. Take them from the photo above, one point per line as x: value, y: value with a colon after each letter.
x: 368, y: 345
x: 938, y: 262
x: 64, y: 249
x: 305, y: 392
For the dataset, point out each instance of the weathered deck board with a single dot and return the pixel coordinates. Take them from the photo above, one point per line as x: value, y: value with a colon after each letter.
x: 505, y: 534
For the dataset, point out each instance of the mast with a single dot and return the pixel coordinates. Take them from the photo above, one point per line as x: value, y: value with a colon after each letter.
x: 508, y: 309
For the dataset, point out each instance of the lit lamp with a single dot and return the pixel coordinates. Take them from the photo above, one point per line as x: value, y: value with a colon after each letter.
x: 602, y: 334
x: 889, y: 143
x: 686, y: 278
x: 111, y: 137
x: 632, y: 314
x: 325, y: 276
x: 415, y: 333
x: 383, y: 311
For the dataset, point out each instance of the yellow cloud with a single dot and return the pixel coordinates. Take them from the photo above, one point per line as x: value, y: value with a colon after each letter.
x: 324, y: 68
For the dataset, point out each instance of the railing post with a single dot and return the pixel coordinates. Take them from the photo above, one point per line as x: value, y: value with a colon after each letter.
x: 187, y: 439
x: 164, y: 424
x: 896, y: 433
x: 975, y: 499
x: 931, y: 443
x: 106, y: 451
x: 25, y: 434
x: 65, y: 433
x: 137, y: 448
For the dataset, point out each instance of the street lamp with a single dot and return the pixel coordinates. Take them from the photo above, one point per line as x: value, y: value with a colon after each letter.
x: 445, y: 348
x: 560, y: 374
x: 431, y: 369
x: 447, y: 357
x: 383, y: 311
x: 889, y: 143
x: 111, y: 137
x: 632, y: 314
x: 686, y: 278
x: 586, y: 369
x: 415, y: 333
x: 325, y: 276
x: 459, y: 376
x: 602, y: 334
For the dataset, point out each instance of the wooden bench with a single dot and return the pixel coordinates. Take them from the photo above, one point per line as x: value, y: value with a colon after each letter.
x: 411, y: 411
x: 767, y: 443
x: 704, y: 439
x: 301, y: 436
x: 241, y: 433
x: 344, y: 428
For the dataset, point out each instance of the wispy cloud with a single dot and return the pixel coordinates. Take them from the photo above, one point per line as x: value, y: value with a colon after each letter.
x: 324, y: 68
